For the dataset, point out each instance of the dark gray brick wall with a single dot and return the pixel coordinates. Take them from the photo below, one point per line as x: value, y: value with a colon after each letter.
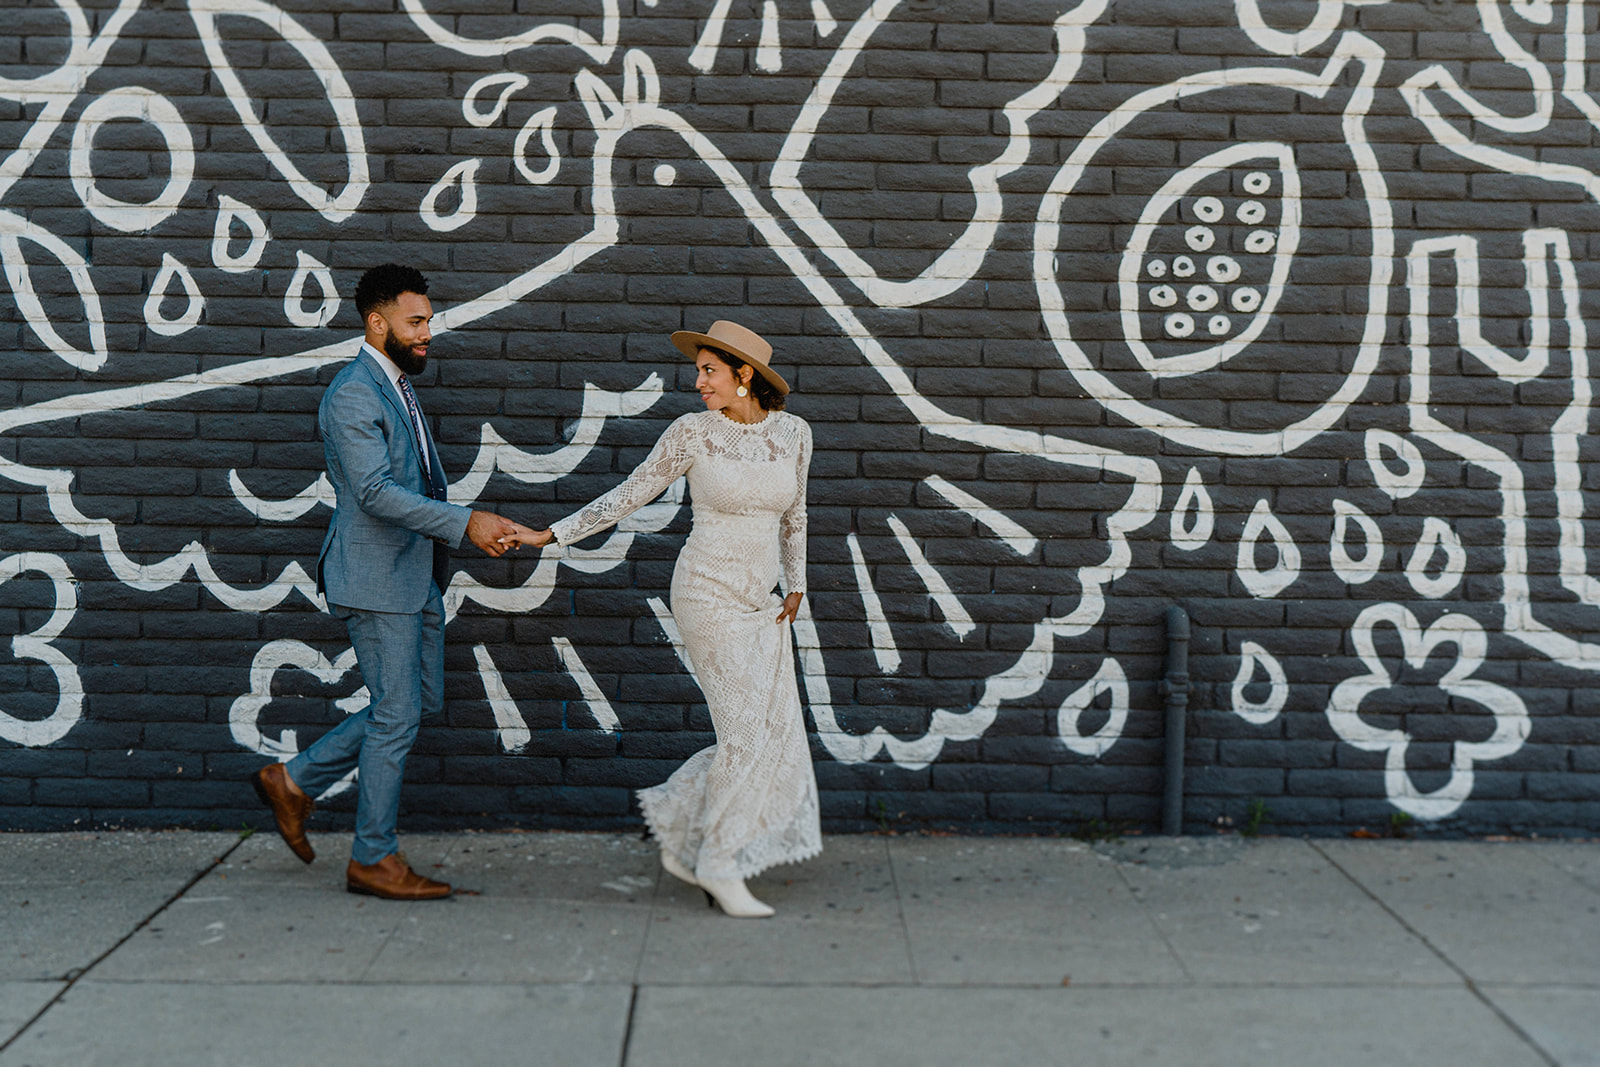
x: 1094, y: 307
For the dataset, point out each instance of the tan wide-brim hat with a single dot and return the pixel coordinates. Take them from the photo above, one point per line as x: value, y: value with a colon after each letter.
x: 735, y: 340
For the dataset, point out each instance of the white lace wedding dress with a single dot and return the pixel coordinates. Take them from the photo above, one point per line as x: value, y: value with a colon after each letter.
x: 749, y: 801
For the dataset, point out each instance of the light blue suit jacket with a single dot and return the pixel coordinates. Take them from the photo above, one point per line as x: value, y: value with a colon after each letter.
x: 391, y: 528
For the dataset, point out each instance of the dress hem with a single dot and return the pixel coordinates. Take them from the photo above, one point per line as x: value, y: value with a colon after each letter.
x: 745, y: 871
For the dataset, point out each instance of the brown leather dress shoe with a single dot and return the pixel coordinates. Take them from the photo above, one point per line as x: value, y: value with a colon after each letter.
x: 290, y: 807
x: 392, y: 879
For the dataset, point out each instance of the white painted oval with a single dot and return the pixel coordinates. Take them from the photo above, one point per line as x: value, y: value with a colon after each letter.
x: 1150, y: 220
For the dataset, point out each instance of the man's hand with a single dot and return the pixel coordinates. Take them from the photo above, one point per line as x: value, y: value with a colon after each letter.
x: 490, y: 532
x: 527, y: 535
x: 791, y: 608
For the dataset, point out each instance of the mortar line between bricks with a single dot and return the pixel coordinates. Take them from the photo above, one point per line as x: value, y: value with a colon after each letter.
x: 1466, y: 979
x: 123, y: 940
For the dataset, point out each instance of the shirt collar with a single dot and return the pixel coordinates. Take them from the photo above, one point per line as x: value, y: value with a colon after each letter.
x: 385, y: 362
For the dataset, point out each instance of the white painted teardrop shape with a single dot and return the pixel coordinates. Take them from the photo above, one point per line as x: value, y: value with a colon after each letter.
x: 460, y: 178
x: 172, y: 268
x: 1283, y: 572
x: 1354, y: 570
x: 230, y: 211
x: 1188, y: 533
x: 294, y: 299
x: 1437, y: 538
x: 1251, y: 657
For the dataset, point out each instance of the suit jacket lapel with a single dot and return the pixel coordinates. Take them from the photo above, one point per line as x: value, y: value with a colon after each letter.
x: 387, y: 391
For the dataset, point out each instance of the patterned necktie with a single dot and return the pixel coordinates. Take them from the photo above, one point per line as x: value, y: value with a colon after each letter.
x: 416, y: 423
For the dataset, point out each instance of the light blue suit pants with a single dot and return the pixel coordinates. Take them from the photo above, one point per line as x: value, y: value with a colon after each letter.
x: 401, y: 657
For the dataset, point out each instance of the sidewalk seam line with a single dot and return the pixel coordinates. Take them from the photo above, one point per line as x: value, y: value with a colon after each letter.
x: 900, y: 907
x: 627, y: 1029
x: 1466, y: 979
x: 1149, y: 916
x: 124, y: 939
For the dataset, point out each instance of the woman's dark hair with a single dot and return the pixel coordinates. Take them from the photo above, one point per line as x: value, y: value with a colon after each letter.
x: 766, y: 394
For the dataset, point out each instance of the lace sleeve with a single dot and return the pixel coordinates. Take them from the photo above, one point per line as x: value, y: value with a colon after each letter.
x: 665, y: 464
x: 792, y: 527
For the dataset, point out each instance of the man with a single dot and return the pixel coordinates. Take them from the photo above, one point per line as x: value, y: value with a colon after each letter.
x: 383, y: 564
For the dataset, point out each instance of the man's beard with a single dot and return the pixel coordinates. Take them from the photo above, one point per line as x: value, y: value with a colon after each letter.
x: 409, y: 362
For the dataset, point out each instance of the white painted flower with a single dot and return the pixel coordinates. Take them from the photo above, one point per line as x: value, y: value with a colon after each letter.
x: 1511, y: 723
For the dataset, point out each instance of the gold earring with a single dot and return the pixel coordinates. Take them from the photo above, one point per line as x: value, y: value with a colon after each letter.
x: 742, y: 391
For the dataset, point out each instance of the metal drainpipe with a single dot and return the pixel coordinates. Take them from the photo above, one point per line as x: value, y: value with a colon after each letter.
x: 1175, y: 688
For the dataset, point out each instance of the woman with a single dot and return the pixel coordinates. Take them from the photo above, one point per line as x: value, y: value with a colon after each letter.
x: 749, y: 801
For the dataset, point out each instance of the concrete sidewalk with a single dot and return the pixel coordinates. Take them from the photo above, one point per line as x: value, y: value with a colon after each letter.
x: 193, y: 948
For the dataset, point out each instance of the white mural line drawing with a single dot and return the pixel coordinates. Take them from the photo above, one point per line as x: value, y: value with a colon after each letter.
x: 1194, y: 499
x: 1350, y: 569
x: 1402, y: 483
x: 538, y: 468
x: 543, y: 123
x: 939, y: 591
x: 878, y: 631
x: 508, y: 82
x: 959, y: 263
x: 57, y: 484
x: 1254, y: 657
x: 1437, y: 539
x: 1516, y: 597
x: 173, y: 269
x: 1111, y: 681
x: 1511, y: 723
x: 1280, y: 243
x: 769, y: 50
x: 309, y: 268
x: 546, y: 33
x: 1541, y: 87
x: 1418, y: 89
x: 462, y: 180
x: 704, y: 56
x: 245, y: 712
x: 638, y: 107
x: 1367, y: 59
x: 13, y: 231
x: 36, y: 646
x: 318, y: 492
x: 204, y: 14
x: 1013, y: 534
x: 605, y: 718
x: 669, y: 626
x: 132, y: 102
x: 230, y: 211
x: 1285, y: 568
x: 824, y: 19
x: 1330, y: 13
x: 509, y: 725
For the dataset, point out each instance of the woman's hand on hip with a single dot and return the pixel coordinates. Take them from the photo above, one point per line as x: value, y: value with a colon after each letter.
x: 791, y: 608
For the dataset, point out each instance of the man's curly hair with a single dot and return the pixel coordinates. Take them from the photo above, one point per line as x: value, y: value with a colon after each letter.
x: 383, y: 284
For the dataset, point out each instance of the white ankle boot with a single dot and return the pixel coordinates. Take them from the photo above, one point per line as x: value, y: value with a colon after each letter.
x: 670, y: 864
x: 735, y: 899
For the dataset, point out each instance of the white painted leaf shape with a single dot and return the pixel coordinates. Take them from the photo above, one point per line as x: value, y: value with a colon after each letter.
x: 14, y: 230
x: 336, y: 89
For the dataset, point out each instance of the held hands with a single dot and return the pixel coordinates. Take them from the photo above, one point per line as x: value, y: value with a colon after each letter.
x: 526, y: 535
x: 490, y: 532
x: 791, y: 608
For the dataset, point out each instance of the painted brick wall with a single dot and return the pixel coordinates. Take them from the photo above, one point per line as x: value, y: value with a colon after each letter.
x: 1273, y: 310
